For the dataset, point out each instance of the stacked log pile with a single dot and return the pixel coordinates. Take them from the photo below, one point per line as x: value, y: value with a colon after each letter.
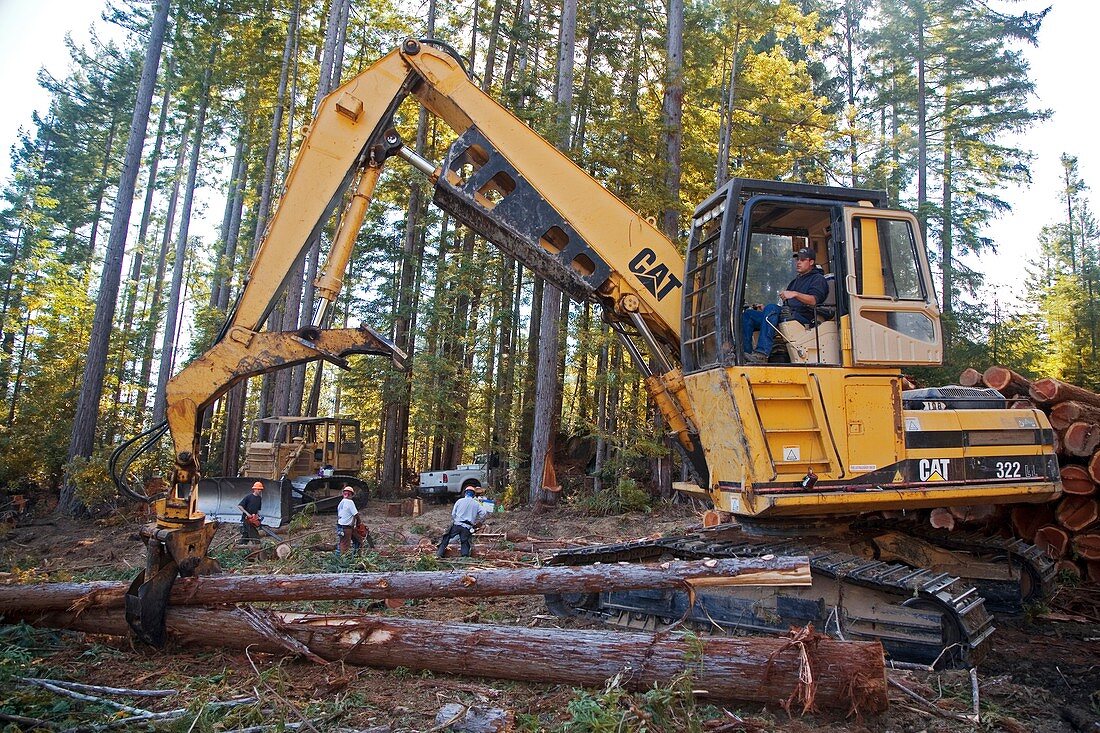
x: 1067, y: 529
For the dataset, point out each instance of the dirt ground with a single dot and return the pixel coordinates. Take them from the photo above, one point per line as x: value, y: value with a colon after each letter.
x: 1042, y: 675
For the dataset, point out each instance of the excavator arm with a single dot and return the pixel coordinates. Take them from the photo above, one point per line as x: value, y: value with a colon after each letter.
x: 501, y: 179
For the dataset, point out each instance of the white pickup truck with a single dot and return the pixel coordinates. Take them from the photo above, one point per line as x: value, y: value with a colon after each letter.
x: 452, y: 482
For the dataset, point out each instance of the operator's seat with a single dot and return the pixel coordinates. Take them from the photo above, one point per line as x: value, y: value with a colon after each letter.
x: 815, y: 345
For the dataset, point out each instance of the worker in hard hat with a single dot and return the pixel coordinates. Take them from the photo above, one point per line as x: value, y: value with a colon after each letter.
x: 250, y: 514
x: 466, y: 514
x: 347, y: 523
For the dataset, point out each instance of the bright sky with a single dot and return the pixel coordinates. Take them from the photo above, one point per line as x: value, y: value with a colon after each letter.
x: 32, y: 33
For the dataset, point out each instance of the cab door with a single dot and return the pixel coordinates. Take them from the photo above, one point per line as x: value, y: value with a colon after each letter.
x: 895, y: 319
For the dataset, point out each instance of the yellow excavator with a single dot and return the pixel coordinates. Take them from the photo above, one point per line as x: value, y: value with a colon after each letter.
x: 802, y: 445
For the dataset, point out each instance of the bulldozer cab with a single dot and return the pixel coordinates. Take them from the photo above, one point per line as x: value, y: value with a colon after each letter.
x: 881, y: 309
x: 303, y: 446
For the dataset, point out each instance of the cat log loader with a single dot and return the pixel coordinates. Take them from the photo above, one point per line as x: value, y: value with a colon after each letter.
x: 801, y: 450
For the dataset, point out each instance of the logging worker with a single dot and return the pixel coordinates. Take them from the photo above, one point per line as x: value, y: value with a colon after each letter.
x: 807, y: 291
x: 466, y: 514
x: 347, y: 523
x: 250, y: 514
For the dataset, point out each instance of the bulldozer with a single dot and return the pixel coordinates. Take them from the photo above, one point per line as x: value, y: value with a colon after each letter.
x: 814, y: 448
x: 303, y: 461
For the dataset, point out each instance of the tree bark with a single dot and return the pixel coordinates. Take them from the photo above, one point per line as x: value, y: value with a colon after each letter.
x: 546, y: 369
x: 1006, y: 381
x: 436, y: 584
x: 87, y: 407
x: 672, y: 114
x: 1051, y: 391
x: 848, y: 675
x: 1064, y: 414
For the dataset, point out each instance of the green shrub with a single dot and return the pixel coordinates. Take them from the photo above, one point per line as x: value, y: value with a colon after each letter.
x: 624, y: 496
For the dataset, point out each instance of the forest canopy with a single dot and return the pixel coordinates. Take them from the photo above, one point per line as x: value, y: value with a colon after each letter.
x: 660, y: 103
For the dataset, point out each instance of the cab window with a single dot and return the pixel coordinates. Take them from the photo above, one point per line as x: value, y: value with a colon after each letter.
x: 886, y: 259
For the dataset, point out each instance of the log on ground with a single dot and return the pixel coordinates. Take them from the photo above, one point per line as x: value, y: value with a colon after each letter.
x: 1006, y: 381
x: 1051, y: 391
x: 779, y: 570
x: 848, y: 675
x: 1094, y: 467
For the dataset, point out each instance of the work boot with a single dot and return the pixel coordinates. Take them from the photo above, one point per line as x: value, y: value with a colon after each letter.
x: 757, y: 357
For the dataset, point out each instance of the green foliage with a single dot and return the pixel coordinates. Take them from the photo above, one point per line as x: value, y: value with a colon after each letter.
x: 614, y: 709
x: 92, y: 480
x: 622, y: 497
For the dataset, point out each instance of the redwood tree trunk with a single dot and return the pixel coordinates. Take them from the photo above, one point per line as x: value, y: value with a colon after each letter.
x: 87, y: 406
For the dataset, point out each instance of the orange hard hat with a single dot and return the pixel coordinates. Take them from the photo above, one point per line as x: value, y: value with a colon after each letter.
x: 258, y: 485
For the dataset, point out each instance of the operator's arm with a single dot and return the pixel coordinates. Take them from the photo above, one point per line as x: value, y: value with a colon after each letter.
x: 816, y: 291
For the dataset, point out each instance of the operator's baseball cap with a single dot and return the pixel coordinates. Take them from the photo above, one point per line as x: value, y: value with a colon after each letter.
x: 805, y: 254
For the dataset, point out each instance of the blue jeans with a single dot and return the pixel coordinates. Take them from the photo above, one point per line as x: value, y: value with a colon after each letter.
x: 752, y: 321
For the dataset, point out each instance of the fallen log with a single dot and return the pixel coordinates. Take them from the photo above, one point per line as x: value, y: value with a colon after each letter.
x: 1087, y: 545
x: 1092, y: 570
x: 1028, y: 518
x: 1081, y: 439
x: 1065, y: 414
x: 1006, y: 381
x: 1075, y: 513
x: 210, y: 589
x: 848, y: 676
x: 971, y: 378
x: 1053, y: 541
x: 1050, y: 391
x: 1076, y: 480
x: 1094, y: 467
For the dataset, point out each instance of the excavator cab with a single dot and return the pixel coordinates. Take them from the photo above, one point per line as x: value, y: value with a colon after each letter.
x: 881, y: 308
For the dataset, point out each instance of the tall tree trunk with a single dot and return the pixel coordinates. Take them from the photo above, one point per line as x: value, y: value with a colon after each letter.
x: 396, y: 418
x: 922, y: 129
x: 546, y: 374
x: 138, y: 256
x: 87, y: 407
x: 672, y: 113
x: 153, y: 316
x: 725, y: 132
x: 175, y: 305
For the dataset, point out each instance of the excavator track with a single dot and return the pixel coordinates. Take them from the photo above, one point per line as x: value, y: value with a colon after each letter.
x: 1029, y: 575
x: 918, y: 615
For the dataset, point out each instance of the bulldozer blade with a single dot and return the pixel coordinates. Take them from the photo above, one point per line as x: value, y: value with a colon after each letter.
x: 147, y: 604
x: 219, y: 496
